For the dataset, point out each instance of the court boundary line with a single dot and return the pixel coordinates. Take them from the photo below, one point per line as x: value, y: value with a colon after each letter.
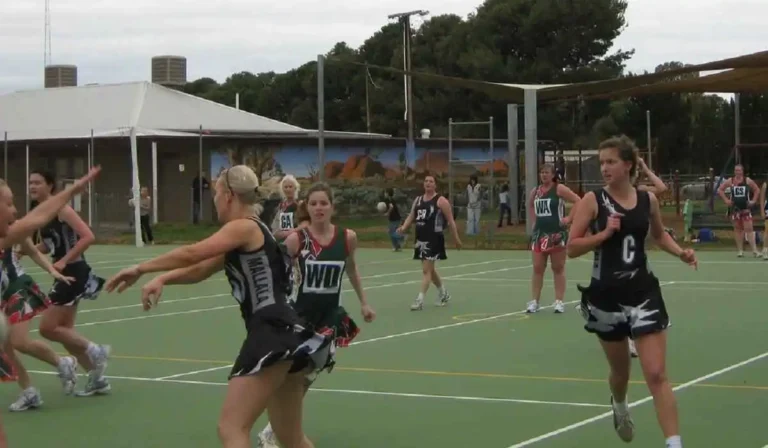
x: 683, y: 386
x: 408, y: 371
x: 363, y: 392
x: 191, y: 298
x: 422, y: 330
x: 392, y: 336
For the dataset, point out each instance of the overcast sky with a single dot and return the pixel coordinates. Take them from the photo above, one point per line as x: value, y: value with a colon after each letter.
x: 113, y: 41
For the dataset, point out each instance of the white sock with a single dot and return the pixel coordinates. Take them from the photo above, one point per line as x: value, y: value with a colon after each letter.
x: 674, y: 442
x: 620, y: 406
x: 420, y: 297
x: 267, y: 430
x: 442, y: 290
x: 92, y: 349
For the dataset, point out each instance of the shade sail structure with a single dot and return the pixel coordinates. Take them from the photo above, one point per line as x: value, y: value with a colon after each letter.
x: 743, y: 74
x: 113, y: 110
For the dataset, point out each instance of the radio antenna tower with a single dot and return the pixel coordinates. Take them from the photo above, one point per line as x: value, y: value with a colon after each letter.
x: 47, y: 37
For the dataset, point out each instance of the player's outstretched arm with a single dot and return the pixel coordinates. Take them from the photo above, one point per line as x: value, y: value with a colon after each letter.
x: 46, y: 211
x: 664, y: 240
x: 193, y: 274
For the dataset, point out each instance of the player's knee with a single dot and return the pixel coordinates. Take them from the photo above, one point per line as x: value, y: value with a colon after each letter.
x: 229, y: 432
x: 558, y: 268
x: 539, y: 268
x: 48, y: 330
x: 655, y: 378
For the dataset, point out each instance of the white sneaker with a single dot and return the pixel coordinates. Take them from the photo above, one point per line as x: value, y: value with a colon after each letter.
x: 623, y: 424
x: 443, y: 299
x: 418, y: 305
x: 632, y: 349
x: 28, y: 399
x: 267, y: 439
x: 559, y: 306
x: 68, y: 373
x: 533, y: 307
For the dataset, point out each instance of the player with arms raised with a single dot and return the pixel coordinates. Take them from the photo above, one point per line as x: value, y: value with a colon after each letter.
x: 431, y: 212
x: 624, y: 297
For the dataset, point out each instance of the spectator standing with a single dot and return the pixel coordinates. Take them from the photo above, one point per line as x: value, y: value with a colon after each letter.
x: 145, y: 205
x: 197, y: 209
x: 504, y: 207
x: 473, y: 206
x: 394, y: 218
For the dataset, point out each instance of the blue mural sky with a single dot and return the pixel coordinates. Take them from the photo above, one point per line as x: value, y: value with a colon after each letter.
x: 295, y: 160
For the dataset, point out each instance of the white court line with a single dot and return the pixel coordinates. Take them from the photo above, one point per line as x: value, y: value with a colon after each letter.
x: 423, y: 330
x: 177, y: 313
x: 639, y: 402
x: 382, y: 338
x: 186, y: 299
x: 363, y: 392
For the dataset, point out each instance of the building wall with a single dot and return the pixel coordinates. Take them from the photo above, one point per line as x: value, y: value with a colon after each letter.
x: 358, y: 169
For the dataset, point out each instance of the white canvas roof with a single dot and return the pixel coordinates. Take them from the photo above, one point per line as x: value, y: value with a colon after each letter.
x: 111, y: 110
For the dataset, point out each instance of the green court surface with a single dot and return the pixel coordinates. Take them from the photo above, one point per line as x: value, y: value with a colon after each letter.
x: 477, y: 373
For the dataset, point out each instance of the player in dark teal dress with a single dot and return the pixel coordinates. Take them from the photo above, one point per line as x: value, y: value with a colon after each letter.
x: 744, y: 195
x: 325, y: 252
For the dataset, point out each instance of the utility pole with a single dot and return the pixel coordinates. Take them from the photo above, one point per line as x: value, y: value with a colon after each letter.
x: 405, y: 21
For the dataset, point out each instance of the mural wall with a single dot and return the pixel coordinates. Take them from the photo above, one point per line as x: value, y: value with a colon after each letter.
x: 360, y: 174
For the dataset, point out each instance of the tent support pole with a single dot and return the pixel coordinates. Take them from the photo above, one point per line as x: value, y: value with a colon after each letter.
x: 531, y: 149
x: 136, y: 189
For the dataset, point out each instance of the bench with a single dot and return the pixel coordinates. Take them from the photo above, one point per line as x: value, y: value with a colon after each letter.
x: 709, y: 220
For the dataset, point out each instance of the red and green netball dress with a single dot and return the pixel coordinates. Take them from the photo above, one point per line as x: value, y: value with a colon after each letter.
x: 318, y: 301
x: 21, y: 300
x: 740, y: 197
x: 548, y: 232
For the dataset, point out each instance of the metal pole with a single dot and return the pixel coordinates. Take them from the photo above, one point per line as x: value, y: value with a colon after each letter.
x: 648, y: 130
x: 531, y: 147
x: 450, y: 162
x: 367, y: 102
x: 737, y: 127
x: 5, y: 157
x: 320, y: 117
x: 90, y: 191
x: 136, y: 187
x: 27, y: 177
x: 514, y: 160
x: 493, y: 189
x: 237, y: 100
x: 154, y: 182
x: 200, y: 175
x: 409, y: 83
x: 92, y: 185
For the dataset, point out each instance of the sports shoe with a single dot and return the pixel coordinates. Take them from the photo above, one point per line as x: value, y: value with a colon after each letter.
x: 418, y: 305
x: 96, y: 385
x: 28, y: 399
x: 68, y: 373
x: 533, y: 307
x: 559, y: 306
x: 99, y: 357
x: 267, y: 438
x: 443, y: 299
x: 632, y: 349
x: 623, y: 424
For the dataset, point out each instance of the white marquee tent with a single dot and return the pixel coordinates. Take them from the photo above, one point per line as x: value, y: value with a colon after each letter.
x: 132, y: 110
